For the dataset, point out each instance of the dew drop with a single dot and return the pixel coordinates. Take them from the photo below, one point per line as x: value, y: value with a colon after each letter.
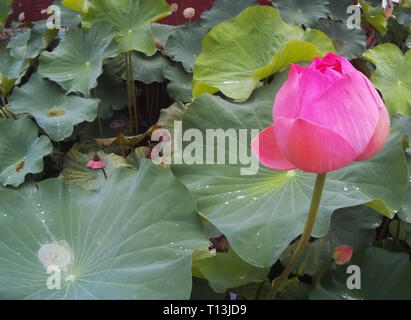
x: 240, y: 197
x: 345, y: 188
x: 255, y: 198
x: 226, y: 202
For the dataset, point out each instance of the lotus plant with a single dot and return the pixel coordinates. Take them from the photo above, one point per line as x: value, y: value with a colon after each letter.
x: 325, y: 116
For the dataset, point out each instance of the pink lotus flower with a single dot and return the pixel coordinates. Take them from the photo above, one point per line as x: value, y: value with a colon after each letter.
x: 342, y: 254
x: 326, y: 115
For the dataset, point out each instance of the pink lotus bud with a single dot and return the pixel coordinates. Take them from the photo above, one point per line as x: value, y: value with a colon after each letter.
x: 21, y: 17
x: 342, y: 254
x: 189, y: 13
x: 174, y: 7
x: 325, y: 116
x: 96, y: 163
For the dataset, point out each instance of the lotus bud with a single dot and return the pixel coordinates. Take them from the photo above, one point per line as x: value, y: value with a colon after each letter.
x: 342, y: 254
x: 189, y: 13
x: 21, y: 17
x: 174, y: 7
x: 97, y: 164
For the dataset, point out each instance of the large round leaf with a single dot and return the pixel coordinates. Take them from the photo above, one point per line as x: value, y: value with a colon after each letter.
x: 21, y: 151
x: 348, y: 43
x: 227, y: 270
x: 131, y: 20
x: 145, y: 69
x: 181, y: 83
x: 338, y: 9
x: 261, y: 214
x: 403, y: 125
x: 55, y: 113
x: 184, y: 45
x: 5, y: 11
x: 392, y: 76
x: 302, y: 12
x: 224, y: 10
x: 133, y: 239
x: 238, y: 54
x: 384, y: 275
x: 77, y: 62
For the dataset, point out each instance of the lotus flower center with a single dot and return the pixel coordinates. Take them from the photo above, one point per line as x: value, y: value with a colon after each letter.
x: 53, y: 254
x: 55, y: 113
x: 290, y: 174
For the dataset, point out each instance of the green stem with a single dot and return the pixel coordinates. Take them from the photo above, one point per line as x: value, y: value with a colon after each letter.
x: 133, y: 93
x: 305, y: 237
x: 259, y: 290
x: 129, y: 103
x: 100, y: 125
x: 322, y: 272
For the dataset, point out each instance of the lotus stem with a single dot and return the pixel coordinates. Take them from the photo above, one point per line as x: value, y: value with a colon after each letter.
x: 100, y: 125
x: 305, y: 237
x: 130, y: 110
x: 104, y: 172
x: 133, y: 93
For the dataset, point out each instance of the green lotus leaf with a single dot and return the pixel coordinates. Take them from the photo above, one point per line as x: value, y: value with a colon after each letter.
x: 313, y: 259
x: 146, y: 69
x: 301, y: 12
x: 5, y: 11
x: 403, y: 125
x: 338, y: 9
x: 294, y: 289
x: 404, y: 16
x: 133, y: 239
x: 238, y: 54
x: 77, y: 62
x: 55, y: 113
x: 21, y: 151
x: 375, y: 17
x: 181, y: 83
x: 76, y: 170
x: 135, y: 158
x: 112, y: 93
x: 348, y: 43
x: 392, y: 270
x: 69, y: 18
x: 175, y: 112
x: 131, y: 21
x: 228, y: 270
x: 354, y: 226
x: 12, y: 69
x: 224, y: 10
x: 261, y: 214
x: 392, y: 76
x: 161, y: 32
x: 81, y: 6
x: 184, y: 45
